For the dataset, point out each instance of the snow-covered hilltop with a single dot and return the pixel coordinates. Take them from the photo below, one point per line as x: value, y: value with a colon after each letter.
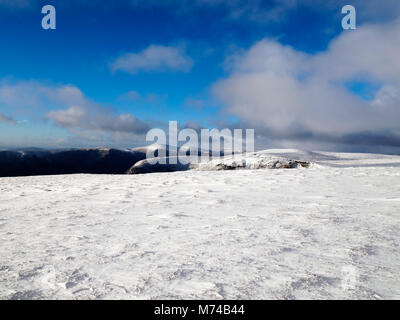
x: 271, y: 159
x: 330, y: 231
x: 255, y: 160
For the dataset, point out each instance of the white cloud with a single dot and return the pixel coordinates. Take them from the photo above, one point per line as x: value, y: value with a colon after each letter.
x: 282, y: 90
x: 370, y: 51
x: 150, y: 98
x: 130, y: 96
x: 154, y: 58
x: 98, y: 119
x: 36, y: 95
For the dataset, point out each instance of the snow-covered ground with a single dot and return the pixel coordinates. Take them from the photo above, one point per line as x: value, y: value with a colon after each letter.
x: 330, y: 231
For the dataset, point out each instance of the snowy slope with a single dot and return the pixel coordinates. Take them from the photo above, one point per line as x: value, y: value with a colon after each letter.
x: 330, y: 231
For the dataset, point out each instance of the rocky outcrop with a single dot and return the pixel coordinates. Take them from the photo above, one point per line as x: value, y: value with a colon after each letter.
x: 144, y: 166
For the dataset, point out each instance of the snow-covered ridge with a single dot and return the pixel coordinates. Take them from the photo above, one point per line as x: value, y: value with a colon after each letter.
x: 133, y: 161
x: 256, y: 160
x: 272, y: 159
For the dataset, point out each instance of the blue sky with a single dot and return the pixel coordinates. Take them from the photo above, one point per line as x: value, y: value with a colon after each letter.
x: 111, y: 71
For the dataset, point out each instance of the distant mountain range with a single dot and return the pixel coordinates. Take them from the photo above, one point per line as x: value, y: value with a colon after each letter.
x: 34, y: 161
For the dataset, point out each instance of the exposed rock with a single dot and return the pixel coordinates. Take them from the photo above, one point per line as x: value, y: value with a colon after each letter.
x: 144, y: 166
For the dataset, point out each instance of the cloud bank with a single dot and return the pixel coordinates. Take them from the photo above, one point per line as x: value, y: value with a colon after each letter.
x: 97, y: 118
x: 67, y: 107
x: 287, y: 93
